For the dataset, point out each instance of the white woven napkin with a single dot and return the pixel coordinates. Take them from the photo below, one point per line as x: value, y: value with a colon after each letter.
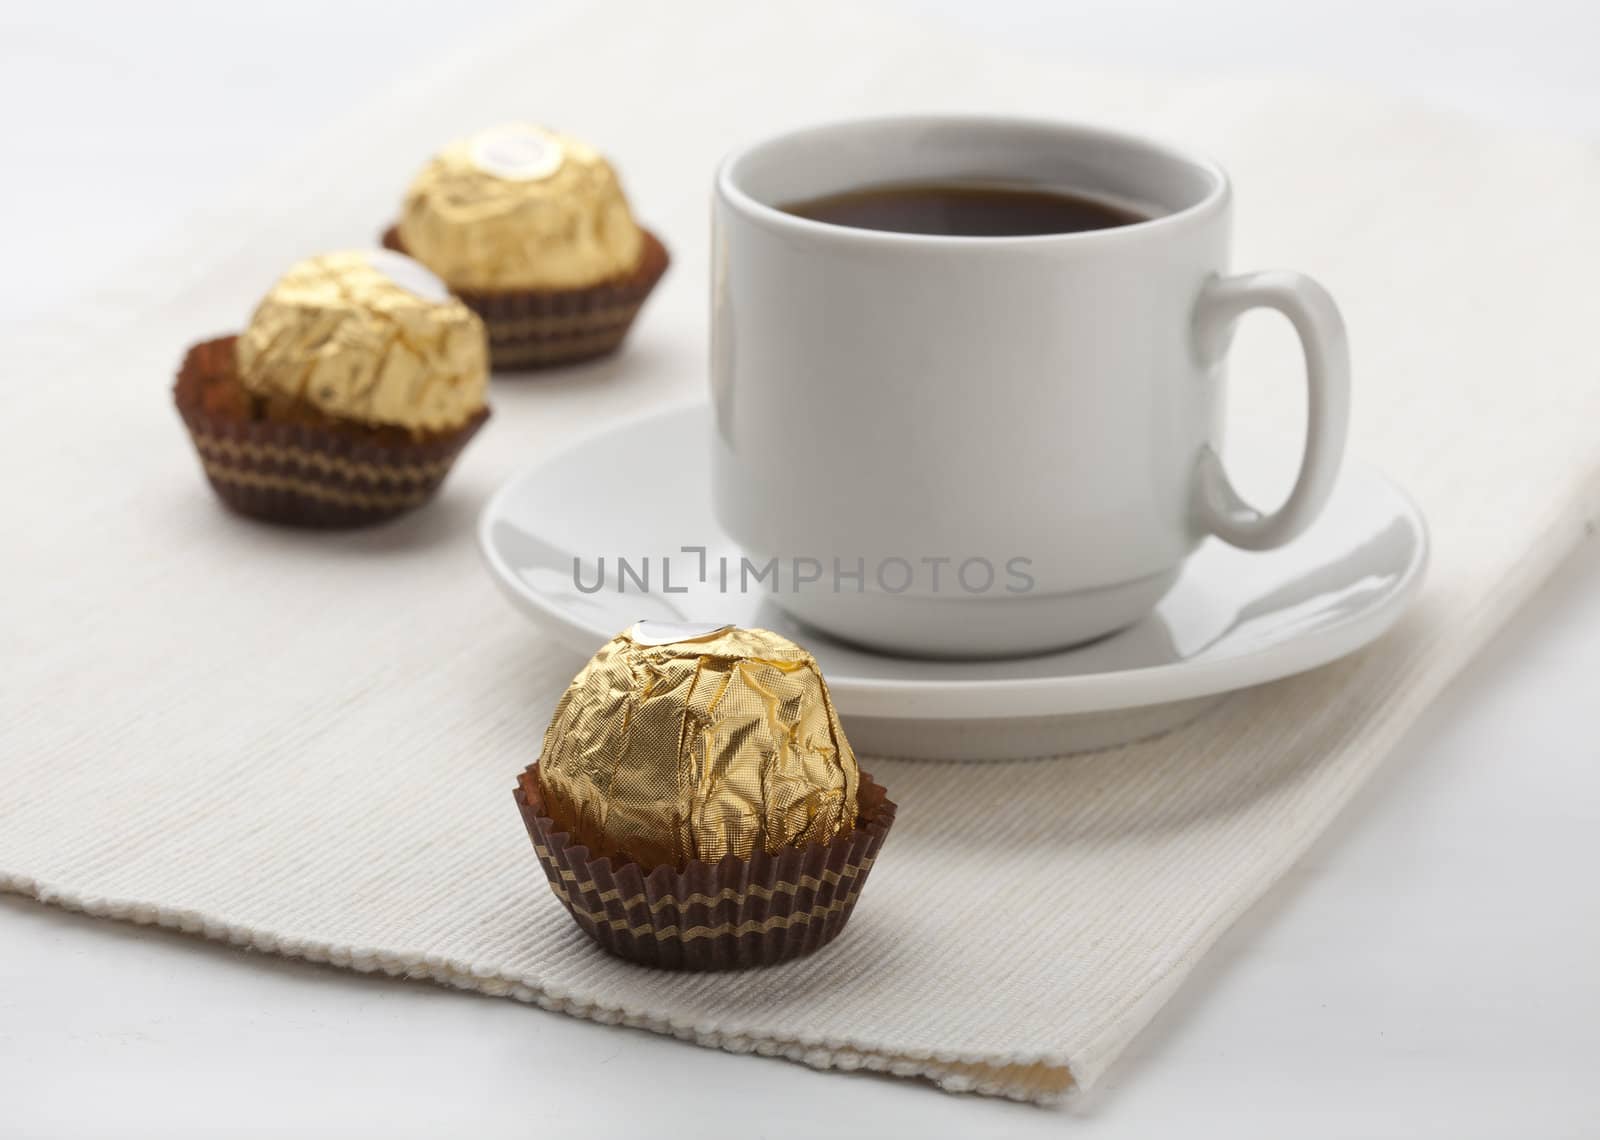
x: 306, y: 743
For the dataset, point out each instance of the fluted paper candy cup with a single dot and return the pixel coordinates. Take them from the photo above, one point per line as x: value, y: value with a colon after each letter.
x: 303, y: 472
x: 730, y: 914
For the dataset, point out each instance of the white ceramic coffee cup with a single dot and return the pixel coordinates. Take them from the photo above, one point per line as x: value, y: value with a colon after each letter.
x: 1050, y: 407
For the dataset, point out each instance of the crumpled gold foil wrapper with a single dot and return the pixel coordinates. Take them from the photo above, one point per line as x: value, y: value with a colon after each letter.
x: 520, y: 207
x: 371, y: 337
x: 723, y: 743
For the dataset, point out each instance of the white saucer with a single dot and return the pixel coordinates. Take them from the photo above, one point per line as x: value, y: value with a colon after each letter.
x: 1234, y: 619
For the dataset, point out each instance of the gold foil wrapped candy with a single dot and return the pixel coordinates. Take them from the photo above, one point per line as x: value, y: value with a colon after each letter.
x: 713, y: 743
x: 696, y: 805
x: 520, y: 207
x: 347, y: 400
x: 369, y: 337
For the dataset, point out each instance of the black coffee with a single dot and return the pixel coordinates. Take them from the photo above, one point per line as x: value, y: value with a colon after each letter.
x: 964, y: 210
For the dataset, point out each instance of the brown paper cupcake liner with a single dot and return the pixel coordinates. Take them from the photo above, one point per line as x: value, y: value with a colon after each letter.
x: 730, y: 914
x: 303, y: 473
x: 541, y: 328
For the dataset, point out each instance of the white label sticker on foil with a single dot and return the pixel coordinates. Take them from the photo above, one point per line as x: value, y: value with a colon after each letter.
x: 671, y: 632
x: 518, y: 153
x: 412, y: 276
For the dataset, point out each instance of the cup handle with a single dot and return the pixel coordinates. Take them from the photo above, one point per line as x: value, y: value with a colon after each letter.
x: 1218, y: 508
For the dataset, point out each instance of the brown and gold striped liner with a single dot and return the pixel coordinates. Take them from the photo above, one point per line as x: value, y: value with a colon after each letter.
x: 305, y: 474
x: 541, y: 328
x: 731, y: 914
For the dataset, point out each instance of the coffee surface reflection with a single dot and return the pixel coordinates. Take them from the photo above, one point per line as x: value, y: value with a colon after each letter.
x: 965, y: 209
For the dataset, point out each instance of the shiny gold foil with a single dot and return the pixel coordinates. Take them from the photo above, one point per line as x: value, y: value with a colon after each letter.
x: 519, y: 207
x: 724, y: 743
x: 371, y: 337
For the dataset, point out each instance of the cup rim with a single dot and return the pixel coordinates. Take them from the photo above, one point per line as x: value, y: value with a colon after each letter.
x: 1213, y: 202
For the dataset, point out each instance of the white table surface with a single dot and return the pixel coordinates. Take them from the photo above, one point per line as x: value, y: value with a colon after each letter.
x: 1431, y: 968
